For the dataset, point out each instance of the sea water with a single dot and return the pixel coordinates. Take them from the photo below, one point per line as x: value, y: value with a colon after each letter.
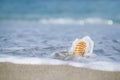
x: 42, y: 32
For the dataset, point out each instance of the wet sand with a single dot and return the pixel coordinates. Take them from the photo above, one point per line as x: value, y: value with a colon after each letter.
x: 10, y: 71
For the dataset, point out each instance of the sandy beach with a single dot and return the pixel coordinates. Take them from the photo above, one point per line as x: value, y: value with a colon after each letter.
x: 10, y: 71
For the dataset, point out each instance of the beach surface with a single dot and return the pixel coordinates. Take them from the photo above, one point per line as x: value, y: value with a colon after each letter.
x: 10, y: 71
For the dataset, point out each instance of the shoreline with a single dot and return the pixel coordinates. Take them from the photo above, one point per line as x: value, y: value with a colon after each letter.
x: 11, y: 71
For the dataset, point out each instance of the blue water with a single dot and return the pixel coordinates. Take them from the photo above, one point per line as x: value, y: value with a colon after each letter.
x: 40, y: 28
x: 77, y: 9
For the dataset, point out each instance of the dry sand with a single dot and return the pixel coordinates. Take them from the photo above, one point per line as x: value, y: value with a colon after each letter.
x: 9, y: 71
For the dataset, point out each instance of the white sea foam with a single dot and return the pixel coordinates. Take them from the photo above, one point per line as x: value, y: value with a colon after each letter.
x: 76, y: 21
x: 21, y: 48
x: 66, y: 21
x: 13, y: 48
x: 98, y: 65
x: 21, y: 60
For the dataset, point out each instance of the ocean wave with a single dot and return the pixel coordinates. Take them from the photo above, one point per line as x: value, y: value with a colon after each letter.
x: 70, y: 21
x: 97, y: 65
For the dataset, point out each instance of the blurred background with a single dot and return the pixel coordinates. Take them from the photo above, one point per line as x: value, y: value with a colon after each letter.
x: 46, y: 9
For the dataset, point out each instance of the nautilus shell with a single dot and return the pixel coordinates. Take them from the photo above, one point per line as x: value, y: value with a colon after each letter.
x: 80, y: 48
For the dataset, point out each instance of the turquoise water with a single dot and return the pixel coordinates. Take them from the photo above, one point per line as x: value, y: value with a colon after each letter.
x: 74, y: 9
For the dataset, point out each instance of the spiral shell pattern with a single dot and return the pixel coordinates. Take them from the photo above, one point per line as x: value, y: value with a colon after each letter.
x: 80, y: 48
